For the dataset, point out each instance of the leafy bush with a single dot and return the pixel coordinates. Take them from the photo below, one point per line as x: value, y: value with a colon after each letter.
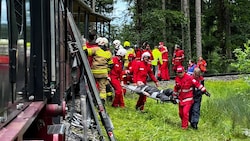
x: 242, y: 63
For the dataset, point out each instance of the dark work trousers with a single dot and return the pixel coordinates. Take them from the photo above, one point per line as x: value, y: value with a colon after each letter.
x: 195, y: 109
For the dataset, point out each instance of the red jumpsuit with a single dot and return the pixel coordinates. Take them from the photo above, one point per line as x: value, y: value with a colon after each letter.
x: 141, y: 72
x: 184, y: 86
x: 138, y: 53
x: 178, y: 58
x: 164, y: 74
x: 116, y: 78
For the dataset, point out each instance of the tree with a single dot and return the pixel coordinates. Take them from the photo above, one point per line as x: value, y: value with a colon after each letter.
x: 198, y: 28
x: 186, y: 43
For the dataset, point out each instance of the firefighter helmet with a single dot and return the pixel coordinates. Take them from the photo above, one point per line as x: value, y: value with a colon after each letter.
x: 117, y: 43
x: 121, y: 52
x: 98, y: 40
x: 126, y: 44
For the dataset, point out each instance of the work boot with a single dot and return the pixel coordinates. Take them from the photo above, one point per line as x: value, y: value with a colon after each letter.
x: 109, y: 98
x: 194, y: 126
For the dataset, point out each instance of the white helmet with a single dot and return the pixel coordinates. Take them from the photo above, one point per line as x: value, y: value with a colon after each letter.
x: 98, y: 40
x: 102, y: 41
x: 145, y: 54
x: 117, y: 43
x: 121, y: 52
x: 105, y: 41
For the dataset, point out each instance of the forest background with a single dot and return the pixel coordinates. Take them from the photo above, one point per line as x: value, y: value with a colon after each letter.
x: 209, y: 28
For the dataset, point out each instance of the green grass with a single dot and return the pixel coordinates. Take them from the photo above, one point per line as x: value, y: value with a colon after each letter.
x: 223, y: 116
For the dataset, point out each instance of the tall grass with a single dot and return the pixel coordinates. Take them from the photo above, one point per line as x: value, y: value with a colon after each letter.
x: 223, y: 116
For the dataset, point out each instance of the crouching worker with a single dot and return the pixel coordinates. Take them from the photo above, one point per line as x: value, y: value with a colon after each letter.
x: 153, y: 92
x: 184, y: 85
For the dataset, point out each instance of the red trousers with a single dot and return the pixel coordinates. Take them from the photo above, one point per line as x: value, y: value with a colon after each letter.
x: 140, y: 102
x: 164, y: 74
x: 176, y: 64
x: 118, y: 100
x: 184, y: 109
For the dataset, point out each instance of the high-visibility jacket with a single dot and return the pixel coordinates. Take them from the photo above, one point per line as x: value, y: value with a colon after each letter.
x: 101, y: 61
x: 90, y: 45
x: 157, y: 57
x: 184, y: 86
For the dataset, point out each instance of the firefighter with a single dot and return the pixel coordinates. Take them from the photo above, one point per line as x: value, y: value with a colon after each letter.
x: 117, y: 45
x: 164, y: 73
x: 157, y: 60
x: 130, y: 50
x: 202, y: 64
x: 183, y: 88
x: 140, y: 73
x: 178, y: 57
x: 195, y: 109
x: 116, y: 77
x: 90, y: 43
x: 100, y: 64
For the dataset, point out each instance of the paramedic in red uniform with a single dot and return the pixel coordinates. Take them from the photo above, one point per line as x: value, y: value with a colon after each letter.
x: 178, y: 57
x: 116, y: 77
x: 141, y: 71
x: 164, y: 74
x: 184, y: 84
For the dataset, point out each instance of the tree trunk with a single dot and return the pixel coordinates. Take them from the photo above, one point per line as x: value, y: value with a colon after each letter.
x: 164, y: 23
x: 186, y: 27
x: 198, y: 28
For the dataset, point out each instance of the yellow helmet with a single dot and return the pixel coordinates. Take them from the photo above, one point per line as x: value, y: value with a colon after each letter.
x: 126, y: 44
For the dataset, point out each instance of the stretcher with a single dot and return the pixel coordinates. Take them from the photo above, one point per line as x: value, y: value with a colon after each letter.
x: 159, y: 95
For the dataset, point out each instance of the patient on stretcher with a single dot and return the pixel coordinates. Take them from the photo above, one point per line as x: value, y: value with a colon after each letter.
x: 153, y: 92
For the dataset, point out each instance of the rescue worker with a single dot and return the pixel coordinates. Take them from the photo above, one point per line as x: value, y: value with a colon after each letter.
x: 146, y: 48
x: 129, y: 51
x: 101, y: 62
x: 128, y: 73
x: 164, y: 73
x: 109, y: 89
x: 191, y: 67
x: 183, y: 88
x: 178, y: 57
x: 117, y: 45
x: 116, y: 77
x: 138, y: 52
x: 202, y: 64
x: 195, y: 109
x: 157, y: 62
x: 140, y: 73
